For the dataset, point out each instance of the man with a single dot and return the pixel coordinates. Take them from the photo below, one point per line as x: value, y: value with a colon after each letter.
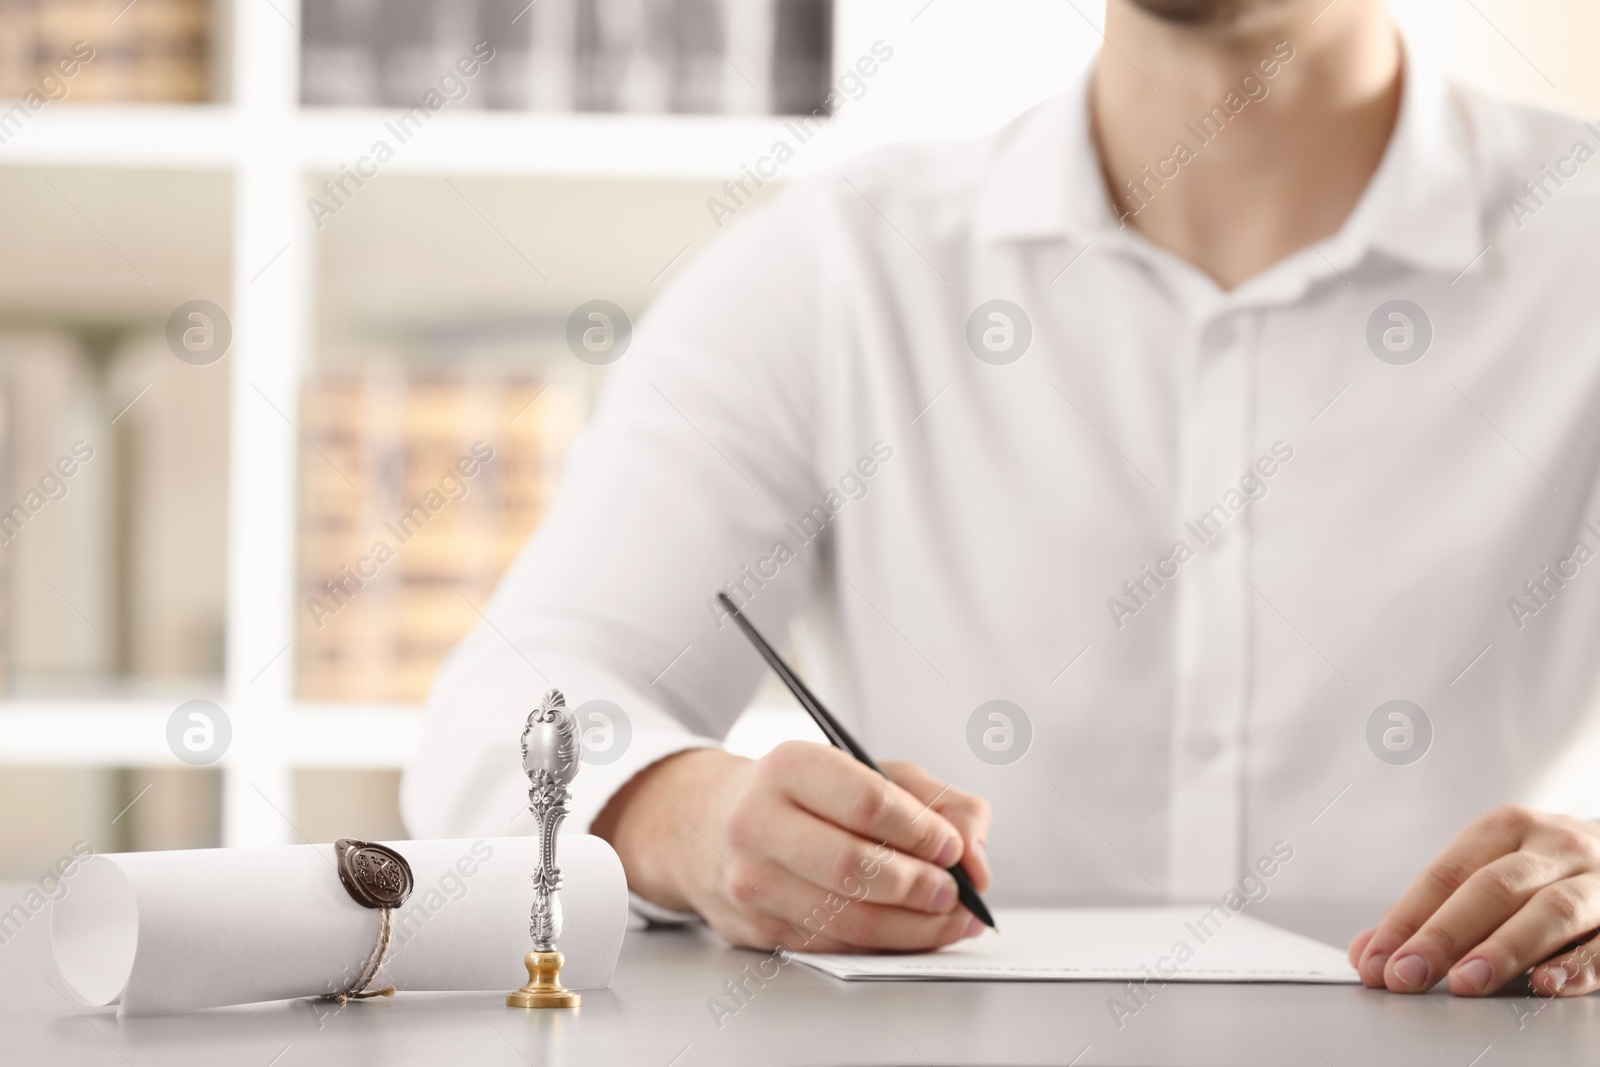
x: 1200, y: 470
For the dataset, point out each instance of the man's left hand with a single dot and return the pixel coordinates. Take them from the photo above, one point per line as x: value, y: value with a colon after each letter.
x: 1517, y: 889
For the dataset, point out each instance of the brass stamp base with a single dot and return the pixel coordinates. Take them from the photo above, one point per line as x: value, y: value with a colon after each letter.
x: 544, y: 988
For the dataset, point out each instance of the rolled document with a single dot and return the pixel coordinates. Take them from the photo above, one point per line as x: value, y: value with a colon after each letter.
x: 176, y: 931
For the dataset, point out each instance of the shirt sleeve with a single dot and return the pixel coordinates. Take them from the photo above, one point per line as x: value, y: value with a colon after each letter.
x: 698, y: 454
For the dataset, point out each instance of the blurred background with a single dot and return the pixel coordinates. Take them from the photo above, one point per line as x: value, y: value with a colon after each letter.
x: 268, y: 271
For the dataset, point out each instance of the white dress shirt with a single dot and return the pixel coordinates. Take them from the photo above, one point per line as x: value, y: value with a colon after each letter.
x: 1356, y: 529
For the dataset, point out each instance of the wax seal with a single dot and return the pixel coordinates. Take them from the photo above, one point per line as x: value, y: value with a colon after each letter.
x: 374, y: 875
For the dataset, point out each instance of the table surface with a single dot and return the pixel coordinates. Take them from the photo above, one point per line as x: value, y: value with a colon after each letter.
x: 656, y: 1013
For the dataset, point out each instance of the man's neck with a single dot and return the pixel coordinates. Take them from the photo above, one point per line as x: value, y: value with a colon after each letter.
x: 1271, y: 162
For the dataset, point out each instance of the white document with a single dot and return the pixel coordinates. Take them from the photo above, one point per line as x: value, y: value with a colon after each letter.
x: 176, y: 931
x: 1185, y: 943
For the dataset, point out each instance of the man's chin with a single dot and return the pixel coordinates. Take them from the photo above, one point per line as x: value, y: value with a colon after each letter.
x: 1206, y: 12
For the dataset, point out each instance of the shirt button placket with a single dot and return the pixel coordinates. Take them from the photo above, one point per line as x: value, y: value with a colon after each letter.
x: 1205, y: 817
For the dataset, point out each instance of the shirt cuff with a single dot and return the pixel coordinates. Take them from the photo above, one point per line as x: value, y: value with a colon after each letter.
x: 656, y: 915
x: 596, y: 784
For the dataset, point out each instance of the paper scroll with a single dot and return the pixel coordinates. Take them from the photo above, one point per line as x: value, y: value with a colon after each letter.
x: 177, y: 931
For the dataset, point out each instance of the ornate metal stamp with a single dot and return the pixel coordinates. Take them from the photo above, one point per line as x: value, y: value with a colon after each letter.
x: 550, y: 757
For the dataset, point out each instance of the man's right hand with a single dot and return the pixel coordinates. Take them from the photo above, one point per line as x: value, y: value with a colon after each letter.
x: 803, y: 848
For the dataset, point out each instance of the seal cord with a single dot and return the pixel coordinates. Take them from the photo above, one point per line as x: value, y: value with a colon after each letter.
x: 357, y: 990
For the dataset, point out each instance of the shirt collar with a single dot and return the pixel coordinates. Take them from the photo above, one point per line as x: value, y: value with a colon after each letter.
x: 1045, y: 181
x: 1421, y: 205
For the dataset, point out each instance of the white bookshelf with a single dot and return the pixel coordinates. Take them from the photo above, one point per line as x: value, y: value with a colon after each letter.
x: 165, y: 136
x: 1013, y: 53
x: 132, y: 732
x: 268, y: 144
x: 319, y: 140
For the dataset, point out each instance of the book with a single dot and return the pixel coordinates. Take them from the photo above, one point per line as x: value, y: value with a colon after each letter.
x: 417, y: 491
x: 149, y: 51
x: 55, y: 530
x: 637, y: 56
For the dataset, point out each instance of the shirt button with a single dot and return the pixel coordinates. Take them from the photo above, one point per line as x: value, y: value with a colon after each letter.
x: 1203, y: 747
x: 1219, y: 334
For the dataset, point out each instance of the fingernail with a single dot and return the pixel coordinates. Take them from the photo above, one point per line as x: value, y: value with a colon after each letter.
x: 1558, y: 978
x: 947, y: 855
x: 1411, y: 971
x: 1475, y: 972
x: 1375, y: 964
x: 974, y: 927
x: 981, y: 850
x: 944, y: 898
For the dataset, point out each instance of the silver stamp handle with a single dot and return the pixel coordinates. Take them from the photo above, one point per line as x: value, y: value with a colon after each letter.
x: 550, y: 757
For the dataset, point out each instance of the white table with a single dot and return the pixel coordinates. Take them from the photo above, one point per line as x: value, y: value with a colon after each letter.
x: 656, y: 1014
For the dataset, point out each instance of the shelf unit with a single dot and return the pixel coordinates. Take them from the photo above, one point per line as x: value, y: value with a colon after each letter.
x: 132, y: 732
x: 469, y: 142
x: 269, y: 144
x: 1012, y: 53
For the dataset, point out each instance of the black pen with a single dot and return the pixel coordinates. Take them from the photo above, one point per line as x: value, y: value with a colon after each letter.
x: 842, y: 739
